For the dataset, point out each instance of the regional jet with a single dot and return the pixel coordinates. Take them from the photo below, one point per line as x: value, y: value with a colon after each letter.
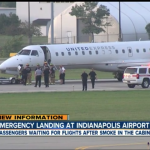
x: 110, y: 57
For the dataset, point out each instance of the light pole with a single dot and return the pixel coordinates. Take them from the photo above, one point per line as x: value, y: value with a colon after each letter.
x: 120, y: 39
x: 61, y: 28
x: 29, y: 37
x: 52, y: 24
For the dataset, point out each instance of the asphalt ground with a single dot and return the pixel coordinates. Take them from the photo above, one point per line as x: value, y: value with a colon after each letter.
x: 77, y: 143
x: 70, y: 85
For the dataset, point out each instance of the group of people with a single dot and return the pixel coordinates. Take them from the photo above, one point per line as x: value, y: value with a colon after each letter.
x: 46, y: 71
x: 26, y: 74
x: 49, y: 75
x: 84, y: 77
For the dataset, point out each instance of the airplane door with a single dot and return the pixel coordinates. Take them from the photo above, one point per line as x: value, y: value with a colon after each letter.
x: 47, y: 54
x: 130, y: 53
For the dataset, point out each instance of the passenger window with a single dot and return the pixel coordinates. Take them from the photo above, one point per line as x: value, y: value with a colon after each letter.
x: 144, y: 50
x: 83, y: 52
x: 123, y: 51
x: 56, y: 53
x: 130, y: 51
x: 142, y: 70
x: 62, y: 53
x: 34, y: 53
x: 116, y: 51
x: 137, y: 50
x: 90, y: 52
x: 69, y: 53
x: 76, y: 53
x: 96, y: 52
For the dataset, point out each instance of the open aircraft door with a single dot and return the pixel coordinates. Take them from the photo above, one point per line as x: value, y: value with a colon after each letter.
x: 130, y: 53
x: 47, y: 53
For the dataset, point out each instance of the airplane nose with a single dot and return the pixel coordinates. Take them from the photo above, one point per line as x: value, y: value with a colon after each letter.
x: 2, y: 67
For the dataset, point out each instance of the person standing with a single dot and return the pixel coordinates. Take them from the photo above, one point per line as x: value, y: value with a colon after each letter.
x: 46, y: 74
x: 38, y: 76
x: 63, y: 75
x: 92, y: 75
x: 84, y: 77
x: 24, y: 76
x: 52, y: 74
x: 29, y: 74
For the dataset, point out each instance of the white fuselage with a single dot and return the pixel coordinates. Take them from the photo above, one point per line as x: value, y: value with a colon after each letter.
x: 111, y: 57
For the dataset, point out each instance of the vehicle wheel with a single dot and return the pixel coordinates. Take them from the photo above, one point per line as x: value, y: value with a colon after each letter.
x: 145, y: 83
x: 131, y: 85
x: 13, y: 81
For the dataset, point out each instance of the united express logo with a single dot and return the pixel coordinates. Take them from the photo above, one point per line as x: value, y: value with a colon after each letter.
x: 90, y: 48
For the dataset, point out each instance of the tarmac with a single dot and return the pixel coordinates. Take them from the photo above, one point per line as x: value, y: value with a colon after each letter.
x: 70, y: 85
x: 76, y: 143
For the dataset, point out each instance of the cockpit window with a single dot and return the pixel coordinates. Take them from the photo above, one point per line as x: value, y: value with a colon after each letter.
x: 24, y: 52
x: 34, y: 53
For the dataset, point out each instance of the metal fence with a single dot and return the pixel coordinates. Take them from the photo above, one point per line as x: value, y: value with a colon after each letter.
x: 100, y: 38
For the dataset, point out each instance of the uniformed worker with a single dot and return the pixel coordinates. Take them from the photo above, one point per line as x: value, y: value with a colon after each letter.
x: 52, y: 74
x: 92, y: 75
x: 29, y: 74
x: 61, y: 74
x: 46, y: 72
x: 38, y: 65
x: 24, y: 76
x: 38, y: 75
x: 84, y: 77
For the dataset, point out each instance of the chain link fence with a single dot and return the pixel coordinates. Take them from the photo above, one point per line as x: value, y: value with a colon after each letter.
x: 100, y: 38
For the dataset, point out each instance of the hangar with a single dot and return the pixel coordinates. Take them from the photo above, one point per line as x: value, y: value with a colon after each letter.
x: 134, y: 18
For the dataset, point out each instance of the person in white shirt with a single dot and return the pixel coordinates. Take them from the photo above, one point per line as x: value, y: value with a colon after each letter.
x: 63, y: 75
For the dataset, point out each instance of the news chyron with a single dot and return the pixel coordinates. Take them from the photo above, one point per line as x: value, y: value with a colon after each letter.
x: 60, y: 125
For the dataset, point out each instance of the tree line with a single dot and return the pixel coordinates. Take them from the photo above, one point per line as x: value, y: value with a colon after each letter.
x: 12, y: 26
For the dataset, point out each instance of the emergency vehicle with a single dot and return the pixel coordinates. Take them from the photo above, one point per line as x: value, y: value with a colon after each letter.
x: 138, y: 75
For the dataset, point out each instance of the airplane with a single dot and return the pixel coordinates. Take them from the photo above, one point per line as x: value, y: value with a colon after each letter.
x: 109, y: 57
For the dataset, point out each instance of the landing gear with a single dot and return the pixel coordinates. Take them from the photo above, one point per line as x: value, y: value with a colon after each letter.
x: 119, y: 76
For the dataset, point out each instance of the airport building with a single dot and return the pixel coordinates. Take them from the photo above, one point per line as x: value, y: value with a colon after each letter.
x: 7, y: 10
x: 40, y: 12
x: 134, y: 17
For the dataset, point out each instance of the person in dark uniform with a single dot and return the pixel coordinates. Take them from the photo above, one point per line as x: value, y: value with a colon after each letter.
x: 46, y: 74
x: 84, y: 77
x: 24, y: 76
x: 29, y: 74
x: 38, y: 76
x: 52, y: 74
x: 92, y: 75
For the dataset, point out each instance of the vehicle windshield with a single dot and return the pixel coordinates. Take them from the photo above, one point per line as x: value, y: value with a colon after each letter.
x: 25, y: 52
x: 131, y: 70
